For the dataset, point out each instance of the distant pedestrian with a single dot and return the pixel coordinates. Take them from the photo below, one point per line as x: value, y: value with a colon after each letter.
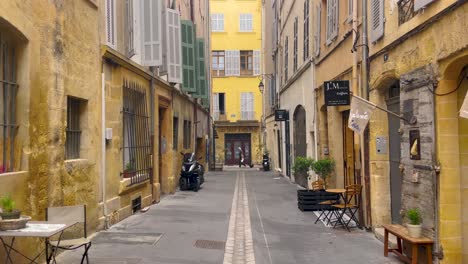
x: 241, y: 157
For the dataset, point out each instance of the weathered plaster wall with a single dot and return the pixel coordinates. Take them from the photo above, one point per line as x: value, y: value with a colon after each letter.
x: 51, y: 65
x: 424, y: 50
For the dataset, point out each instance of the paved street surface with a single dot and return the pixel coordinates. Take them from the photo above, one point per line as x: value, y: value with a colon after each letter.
x: 239, y: 216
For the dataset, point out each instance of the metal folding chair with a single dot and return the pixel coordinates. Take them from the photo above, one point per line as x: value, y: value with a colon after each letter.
x: 68, y: 215
x: 352, y: 203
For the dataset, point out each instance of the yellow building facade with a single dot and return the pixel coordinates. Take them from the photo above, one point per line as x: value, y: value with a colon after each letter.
x: 235, y: 66
x: 419, y: 62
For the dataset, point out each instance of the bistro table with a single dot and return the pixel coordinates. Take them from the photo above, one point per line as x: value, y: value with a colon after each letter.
x: 340, y: 191
x: 37, y: 229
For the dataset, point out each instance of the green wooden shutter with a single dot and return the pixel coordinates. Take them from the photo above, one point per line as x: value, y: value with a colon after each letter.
x: 202, y: 89
x: 188, y: 56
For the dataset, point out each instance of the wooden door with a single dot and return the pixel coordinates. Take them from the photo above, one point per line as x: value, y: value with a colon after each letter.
x: 348, y: 151
x: 232, y: 143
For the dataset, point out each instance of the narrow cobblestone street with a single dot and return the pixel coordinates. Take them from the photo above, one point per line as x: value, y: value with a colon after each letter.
x: 239, y: 216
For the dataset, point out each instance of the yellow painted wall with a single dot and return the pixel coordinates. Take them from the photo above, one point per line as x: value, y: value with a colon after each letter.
x: 58, y: 56
x: 422, y: 49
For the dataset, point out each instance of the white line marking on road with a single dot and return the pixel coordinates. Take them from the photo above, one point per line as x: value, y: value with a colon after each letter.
x: 263, y: 229
x: 239, y: 244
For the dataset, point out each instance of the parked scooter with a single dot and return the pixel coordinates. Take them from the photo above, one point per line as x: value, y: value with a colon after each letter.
x: 266, y: 162
x: 191, y: 174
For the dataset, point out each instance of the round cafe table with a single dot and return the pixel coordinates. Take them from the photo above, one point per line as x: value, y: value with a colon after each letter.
x: 340, y: 191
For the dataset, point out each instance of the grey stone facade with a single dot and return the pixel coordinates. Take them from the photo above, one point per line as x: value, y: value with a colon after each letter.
x: 419, y: 185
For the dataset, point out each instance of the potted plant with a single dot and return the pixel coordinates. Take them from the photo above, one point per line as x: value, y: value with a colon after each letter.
x: 129, y: 170
x: 414, y: 226
x: 324, y: 167
x: 301, y: 168
x: 8, y: 208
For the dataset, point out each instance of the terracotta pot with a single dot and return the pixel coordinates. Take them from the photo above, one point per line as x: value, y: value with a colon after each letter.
x: 414, y: 231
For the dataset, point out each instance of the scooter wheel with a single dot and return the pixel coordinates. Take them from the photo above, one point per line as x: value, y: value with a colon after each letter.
x: 197, y: 186
x: 183, y: 184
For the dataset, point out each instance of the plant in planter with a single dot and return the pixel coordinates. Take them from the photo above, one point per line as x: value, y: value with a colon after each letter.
x: 129, y: 170
x: 324, y: 167
x: 301, y: 168
x: 414, y: 226
x: 8, y: 208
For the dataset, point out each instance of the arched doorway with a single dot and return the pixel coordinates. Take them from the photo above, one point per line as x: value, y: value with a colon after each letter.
x: 300, y: 136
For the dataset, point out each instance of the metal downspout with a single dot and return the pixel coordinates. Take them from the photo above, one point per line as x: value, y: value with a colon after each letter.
x: 103, y: 148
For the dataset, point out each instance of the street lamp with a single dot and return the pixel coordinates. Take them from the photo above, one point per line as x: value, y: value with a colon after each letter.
x: 261, y: 86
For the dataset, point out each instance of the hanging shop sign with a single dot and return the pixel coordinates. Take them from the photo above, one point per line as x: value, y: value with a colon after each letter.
x: 281, y: 115
x: 336, y: 93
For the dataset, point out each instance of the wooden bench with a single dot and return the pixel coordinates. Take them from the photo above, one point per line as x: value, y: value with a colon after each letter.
x: 402, y: 233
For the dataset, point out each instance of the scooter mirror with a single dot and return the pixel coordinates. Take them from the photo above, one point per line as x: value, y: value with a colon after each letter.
x: 200, y: 157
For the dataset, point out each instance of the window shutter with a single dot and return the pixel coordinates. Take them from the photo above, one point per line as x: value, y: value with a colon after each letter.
x: 151, y: 24
x: 377, y: 16
x: 202, y: 90
x: 188, y: 56
x: 227, y: 63
x: 215, y: 102
x: 332, y: 20
x: 418, y: 4
x: 243, y: 106
x: 256, y: 62
x: 236, y: 62
x: 173, y: 46
x: 318, y: 29
x: 250, y: 106
x: 110, y: 24
x: 350, y: 10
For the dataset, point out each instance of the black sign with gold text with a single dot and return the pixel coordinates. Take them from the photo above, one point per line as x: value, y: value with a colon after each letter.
x: 336, y: 93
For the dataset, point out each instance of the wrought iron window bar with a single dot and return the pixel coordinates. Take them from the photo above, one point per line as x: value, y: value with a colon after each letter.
x: 137, y: 144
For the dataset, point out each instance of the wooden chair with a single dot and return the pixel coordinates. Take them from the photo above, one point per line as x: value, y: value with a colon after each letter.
x: 69, y: 215
x: 352, y: 203
x: 317, y: 185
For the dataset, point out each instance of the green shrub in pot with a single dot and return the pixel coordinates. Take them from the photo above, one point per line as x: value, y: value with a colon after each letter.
x: 414, y: 226
x: 8, y: 208
x: 324, y: 167
x: 302, y: 166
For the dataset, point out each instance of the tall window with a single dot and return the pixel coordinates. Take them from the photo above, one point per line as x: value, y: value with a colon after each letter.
x: 217, y: 22
x: 175, y: 133
x: 332, y: 20
x: 295, y: 46
x: 219, y: 105
x: 218, y: 62
x: 187, y: 134
x: 245, y: 23
x: 247, y: 106
x: 111, y: 34
x: 246, y: 62
x: 137, y: 147
x: 305, y: 53
x: 286, y: 59
x: 129, y: 44
x: 350, y: 11
x: 9, y: 88
x: 73, y: 142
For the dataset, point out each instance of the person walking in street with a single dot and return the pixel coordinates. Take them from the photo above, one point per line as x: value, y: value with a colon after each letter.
x: 241, y: 158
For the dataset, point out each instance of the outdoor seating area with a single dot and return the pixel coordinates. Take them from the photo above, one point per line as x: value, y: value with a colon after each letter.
x: 343, y: 210
x: 59, y: 220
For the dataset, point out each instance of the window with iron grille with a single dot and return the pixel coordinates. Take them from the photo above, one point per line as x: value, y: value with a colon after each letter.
x: 129, y: 28
x: 295, y: 46
x: 246, y: 62
x: 73, y: 141
x: 286, y: 60
x: 305, y: 53
x: 218, y: 62
x: 9, y: 87
x: 175, y: 133
x: 405, y: 11
x: 137, y: 148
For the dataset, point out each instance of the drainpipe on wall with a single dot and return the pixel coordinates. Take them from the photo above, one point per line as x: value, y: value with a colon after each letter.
x: 103, y: 148
x: 438, y: 253
x: 152, y: 93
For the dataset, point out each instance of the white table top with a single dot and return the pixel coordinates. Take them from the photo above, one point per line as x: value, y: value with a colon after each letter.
x: 36, y: 229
